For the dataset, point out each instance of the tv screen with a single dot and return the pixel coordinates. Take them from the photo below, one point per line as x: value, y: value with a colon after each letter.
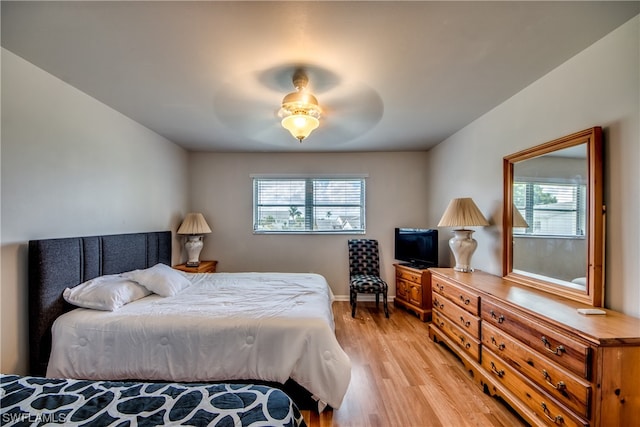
x: 418, y: 247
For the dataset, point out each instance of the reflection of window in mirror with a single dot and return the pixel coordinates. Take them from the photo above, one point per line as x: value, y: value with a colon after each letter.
x: 550, y: 193
x: 552, y: 208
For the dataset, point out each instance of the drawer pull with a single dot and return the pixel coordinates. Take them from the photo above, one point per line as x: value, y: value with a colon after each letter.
x: 466, y: 301
x: 561, y: 386
x: 547, y: 345
x: 500, y: 346
x: 499, y: 373
x: 438, y: 304
x: 556, y: 420
x: 494, y: 316
x: 462, y: 342
x: 440, y: 287
x: 465, y: 323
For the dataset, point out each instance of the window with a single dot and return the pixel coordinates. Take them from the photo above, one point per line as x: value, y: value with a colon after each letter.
x: 309, y: 205
x: 551, y: 208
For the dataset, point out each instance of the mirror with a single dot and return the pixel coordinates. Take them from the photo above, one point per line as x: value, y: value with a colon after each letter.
x: 553, y: 217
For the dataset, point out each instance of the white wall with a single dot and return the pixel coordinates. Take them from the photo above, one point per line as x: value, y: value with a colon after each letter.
x: 222, y: 191
x: 72, y: 166
x: 598, y: 87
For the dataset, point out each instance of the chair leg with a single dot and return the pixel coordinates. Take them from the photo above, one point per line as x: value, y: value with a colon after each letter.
x: 353, y: 296
x: 377, y: 299
x: 384, y: 302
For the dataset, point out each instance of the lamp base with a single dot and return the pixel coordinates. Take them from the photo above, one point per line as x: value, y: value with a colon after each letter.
x: 463, y: 246
x: 193, y: 246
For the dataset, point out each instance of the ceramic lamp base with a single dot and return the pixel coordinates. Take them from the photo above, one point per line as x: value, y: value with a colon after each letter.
x: 463, y: 246
x: 193, y: 246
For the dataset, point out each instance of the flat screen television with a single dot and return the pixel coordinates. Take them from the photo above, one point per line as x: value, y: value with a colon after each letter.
x: 417, y: 247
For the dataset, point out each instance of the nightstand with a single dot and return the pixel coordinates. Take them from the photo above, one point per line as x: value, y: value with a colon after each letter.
x: 413, y: 290
x: 204, y: 267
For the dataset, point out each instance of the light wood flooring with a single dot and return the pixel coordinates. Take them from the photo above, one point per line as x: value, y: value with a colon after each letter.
x: 400, y: 377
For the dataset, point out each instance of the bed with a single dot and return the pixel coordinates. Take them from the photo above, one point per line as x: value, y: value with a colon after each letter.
x: 208, y: 332
x: 26, y: 400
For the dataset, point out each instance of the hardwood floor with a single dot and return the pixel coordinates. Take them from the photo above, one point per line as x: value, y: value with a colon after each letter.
x: 400, y: 377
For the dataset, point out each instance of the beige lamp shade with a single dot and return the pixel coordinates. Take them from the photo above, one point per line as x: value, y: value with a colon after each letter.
x: 462, y: 213
x: 517, y: 220
x: 194, y: 223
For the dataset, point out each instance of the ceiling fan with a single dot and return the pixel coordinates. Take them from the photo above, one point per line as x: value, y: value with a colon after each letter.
x: 335, y: 109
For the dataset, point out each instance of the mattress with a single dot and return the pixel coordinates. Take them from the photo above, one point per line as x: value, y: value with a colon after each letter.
x: 224, y: 326
x: 46, y: 401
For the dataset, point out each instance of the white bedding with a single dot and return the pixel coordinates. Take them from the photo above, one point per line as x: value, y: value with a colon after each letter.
x: 225, y: 326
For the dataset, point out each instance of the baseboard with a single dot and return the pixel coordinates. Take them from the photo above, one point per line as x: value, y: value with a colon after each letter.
x: 363, y: 297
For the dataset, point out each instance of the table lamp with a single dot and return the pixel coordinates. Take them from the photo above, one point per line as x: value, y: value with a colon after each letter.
x: 194, y: 226
x: 462, y: 213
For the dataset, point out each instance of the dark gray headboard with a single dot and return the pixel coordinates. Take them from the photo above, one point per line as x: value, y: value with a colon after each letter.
x: 56, y: 264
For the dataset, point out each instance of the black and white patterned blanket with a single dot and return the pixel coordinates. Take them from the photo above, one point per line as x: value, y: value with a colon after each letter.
x: 45, y: 401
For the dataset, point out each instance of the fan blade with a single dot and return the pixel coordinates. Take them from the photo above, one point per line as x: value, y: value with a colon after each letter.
x: 351, y: 111
x: 247, y: 108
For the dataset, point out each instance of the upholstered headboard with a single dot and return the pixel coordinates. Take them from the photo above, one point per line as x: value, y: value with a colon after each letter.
x: 56, y: 264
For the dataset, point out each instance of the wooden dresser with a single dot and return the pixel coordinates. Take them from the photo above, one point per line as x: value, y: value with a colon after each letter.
x: 413, y: 290
x: 553, y: 365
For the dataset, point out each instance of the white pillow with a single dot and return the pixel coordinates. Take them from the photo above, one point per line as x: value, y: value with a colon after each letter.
x: 160, y: 279
x: 108, y: 293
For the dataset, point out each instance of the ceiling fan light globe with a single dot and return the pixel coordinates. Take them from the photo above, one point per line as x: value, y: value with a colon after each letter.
x: 300, y: 125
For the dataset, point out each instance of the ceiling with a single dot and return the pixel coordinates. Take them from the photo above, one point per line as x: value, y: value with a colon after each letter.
x: 390, y: 76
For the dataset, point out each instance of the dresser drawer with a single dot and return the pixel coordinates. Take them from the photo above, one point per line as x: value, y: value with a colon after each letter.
x: 563, y: 350
x: 459, y: 316
x: 573, y: 392
x: 409, y: 275
x: 468, y: 343
x: 549, y: 411
x: 459, y: 295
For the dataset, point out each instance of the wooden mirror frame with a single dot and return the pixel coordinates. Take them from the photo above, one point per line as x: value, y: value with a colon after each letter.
x: 593, y: 294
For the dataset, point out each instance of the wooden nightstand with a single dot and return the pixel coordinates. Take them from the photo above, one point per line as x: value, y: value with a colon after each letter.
x: 204, y: 267
x: 413, y: 290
